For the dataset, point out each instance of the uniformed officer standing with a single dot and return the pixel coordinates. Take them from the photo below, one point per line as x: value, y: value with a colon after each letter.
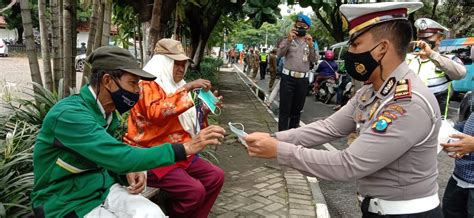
x: 394, y: 158
x: 434, y: 69
x: 299, y: 52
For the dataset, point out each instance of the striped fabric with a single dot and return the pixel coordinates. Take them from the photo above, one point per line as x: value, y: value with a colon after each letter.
x: 464, y: 167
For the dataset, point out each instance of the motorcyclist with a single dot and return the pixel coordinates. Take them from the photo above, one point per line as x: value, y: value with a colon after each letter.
x: 326, y: 69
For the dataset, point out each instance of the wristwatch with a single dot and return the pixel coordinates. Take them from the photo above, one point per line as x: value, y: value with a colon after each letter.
x: 273, y: 135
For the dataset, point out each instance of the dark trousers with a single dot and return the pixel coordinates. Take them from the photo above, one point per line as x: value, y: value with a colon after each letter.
x: 192, y: 191
x: 292, y: 97
x: 263, y: 70
x: 442, y: 100
x: 457, y: 201
x: 434, y: 213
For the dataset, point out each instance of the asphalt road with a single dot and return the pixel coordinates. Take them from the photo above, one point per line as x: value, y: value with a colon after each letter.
x: 340, y: 196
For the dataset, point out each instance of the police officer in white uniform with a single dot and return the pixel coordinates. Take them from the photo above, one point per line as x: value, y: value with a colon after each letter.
x: 394, y: 158
x: 434, y: 69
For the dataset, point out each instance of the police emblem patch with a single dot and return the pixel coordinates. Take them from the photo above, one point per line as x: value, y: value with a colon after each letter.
x: 360, y: 68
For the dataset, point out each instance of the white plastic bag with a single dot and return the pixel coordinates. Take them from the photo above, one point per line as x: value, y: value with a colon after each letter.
x: 444, y: 132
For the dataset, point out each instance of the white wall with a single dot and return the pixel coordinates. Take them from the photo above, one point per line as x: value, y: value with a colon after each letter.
x: 8, y: 34
x: 82, y: 37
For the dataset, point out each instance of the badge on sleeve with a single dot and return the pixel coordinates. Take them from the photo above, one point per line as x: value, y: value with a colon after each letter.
x: 402, y: 89
x: 383, y: 121
x: 395, y: 107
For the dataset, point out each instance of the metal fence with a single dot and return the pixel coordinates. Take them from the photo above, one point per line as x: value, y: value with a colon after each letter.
x: 21, y: 48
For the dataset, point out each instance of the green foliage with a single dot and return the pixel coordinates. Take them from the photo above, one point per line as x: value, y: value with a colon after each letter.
x: 126, y: 20
x: 209, y: 68
x: 21, y: 120
x: 260, y: 11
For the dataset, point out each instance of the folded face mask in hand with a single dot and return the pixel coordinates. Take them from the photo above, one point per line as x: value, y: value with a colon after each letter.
x: 239, y: 132
x: 209, y: 99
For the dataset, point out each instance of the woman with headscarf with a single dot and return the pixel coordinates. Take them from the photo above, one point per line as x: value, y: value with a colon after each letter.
x: 166, y: 112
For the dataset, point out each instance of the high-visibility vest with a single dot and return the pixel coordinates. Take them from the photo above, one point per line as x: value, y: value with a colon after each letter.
x: 263, y: 57
x: 434, y: 78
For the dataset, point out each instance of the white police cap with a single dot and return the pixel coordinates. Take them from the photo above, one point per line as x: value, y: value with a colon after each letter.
x: 426, y: 27
x: 363, y: 16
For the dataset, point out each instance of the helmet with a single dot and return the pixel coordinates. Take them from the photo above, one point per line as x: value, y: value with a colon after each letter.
x: 329, y: 55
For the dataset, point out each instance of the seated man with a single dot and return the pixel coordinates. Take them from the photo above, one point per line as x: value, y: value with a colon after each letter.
x: 166, y: 113
x: 77, y: 162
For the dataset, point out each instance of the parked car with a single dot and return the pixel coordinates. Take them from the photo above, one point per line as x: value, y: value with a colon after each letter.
x: 3, y: 48
x: 465, y: 108
x: 462, y: 49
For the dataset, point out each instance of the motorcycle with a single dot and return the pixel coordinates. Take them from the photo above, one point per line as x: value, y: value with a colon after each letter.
x: 327, y: 90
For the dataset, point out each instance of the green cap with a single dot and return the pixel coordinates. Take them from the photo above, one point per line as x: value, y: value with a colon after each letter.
x: 115, y: 58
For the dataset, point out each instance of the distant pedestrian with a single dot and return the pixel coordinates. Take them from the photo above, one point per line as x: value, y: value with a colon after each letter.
x: 255, y: 65
x: 263, y: 63
x: 246, y: 60
x: 272, y: 68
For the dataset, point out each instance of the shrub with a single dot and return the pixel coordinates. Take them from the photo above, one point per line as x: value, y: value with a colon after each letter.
x: 208, y: 69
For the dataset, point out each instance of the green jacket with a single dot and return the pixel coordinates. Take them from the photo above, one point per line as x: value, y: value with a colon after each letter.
x: 75, y: 158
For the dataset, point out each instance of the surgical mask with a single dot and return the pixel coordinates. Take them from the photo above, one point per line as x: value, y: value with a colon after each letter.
x: 361, y: 65
x: 123, y: 99
x: 301, y: 32
x: 241, y: 134
x: 209, y: 99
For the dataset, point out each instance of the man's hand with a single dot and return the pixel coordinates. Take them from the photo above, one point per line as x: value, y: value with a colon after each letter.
x: 463, y: 146
x: 309, y: 39
x: 261, y: 145
x: 137, y: 182
x: 292, y: 35
x: 425, y: 49
x: 208, y: 136
x: 199, y: 83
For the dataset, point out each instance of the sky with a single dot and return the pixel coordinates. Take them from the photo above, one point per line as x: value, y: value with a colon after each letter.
x: 286, y: 10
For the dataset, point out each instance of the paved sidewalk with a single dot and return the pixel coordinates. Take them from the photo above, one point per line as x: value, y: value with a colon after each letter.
x: 255, y: 187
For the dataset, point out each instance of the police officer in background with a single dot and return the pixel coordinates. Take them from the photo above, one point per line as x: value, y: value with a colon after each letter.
x: 299, y: 52
x: 394, y: 157
x: 434, y: 69
x: 263, y: 63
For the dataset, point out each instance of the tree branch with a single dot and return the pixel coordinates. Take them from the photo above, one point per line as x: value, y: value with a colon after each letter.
x: 8, y: 6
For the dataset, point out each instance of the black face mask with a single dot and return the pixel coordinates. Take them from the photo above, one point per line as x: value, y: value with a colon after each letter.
x: 301, y: 32
x: 361, y: 65
x: 431, y: 43
x: 123, y: 99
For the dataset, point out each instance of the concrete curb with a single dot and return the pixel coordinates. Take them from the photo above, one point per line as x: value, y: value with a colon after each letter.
x: 320, y: 205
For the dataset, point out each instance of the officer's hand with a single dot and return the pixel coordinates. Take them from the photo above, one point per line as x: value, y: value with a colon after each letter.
x: 309, y: 39
x: 292, y: 34
x: 199, y: 83
x: 425, y: 49
x: 208, y: 136
x: 261, y: 145
x: 459, y: 148
x: 137, y: 182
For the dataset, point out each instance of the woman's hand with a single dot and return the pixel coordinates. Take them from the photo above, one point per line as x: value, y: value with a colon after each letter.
x: 196, y: 84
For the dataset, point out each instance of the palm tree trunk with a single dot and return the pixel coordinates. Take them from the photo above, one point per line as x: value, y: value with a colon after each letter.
x: 73, y: 28
x: 100, y: 25
x: 67, y: 46
x: 48, y: 77
x: 107, y: 21
x: 90, y: 40
x: 154, y: 28
x: 56, y: 44
x: 30, y: 44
